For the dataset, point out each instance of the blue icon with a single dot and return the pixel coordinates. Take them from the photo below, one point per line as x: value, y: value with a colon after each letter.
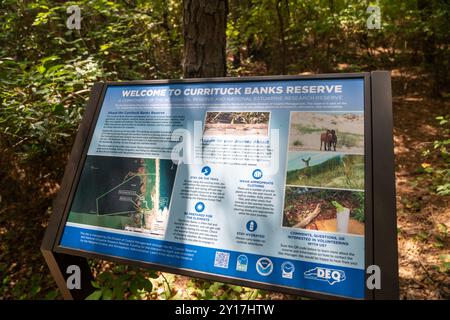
x: 242, y: 263
x: 199, y: 206
x: 287, y: 270
x: 264, y: 266
x: 257, y: 174
x: 251, y: 226
x: 206, y: 170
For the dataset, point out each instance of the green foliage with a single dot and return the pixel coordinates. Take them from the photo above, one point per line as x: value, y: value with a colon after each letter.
x: 205, y: 290
x: 338, y: 206
x: 348, y: 140
x: 345, y: 171
x: 444, y: 265
x: 42, y: 103
x: 46, y: 70
x: 358, y: 212
x: 323, y: 36
x: 306, y: 129
x: 440, y: 175
x: 123, y: 282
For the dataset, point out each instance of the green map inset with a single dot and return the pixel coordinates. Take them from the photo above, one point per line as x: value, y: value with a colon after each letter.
x: 124, y: 193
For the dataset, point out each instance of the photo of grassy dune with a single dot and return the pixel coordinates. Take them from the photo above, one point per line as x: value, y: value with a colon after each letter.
x: 237, y: 124
x: 321, y: 169
x: 311, y: 131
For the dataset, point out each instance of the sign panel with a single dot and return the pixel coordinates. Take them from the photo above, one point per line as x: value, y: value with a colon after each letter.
x: 262, y: 181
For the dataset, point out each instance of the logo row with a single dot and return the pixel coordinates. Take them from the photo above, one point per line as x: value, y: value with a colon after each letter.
x: 265, y: 267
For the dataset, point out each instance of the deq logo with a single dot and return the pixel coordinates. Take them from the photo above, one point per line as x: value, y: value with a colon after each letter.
x: 324, y: 274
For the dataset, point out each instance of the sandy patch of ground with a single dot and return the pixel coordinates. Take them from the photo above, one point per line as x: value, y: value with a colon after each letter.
x: 329, y: 225
x: 220, y: 129
x: 344, y: 122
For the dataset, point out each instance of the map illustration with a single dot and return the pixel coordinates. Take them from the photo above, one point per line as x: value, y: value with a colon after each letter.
x: 124, y: 193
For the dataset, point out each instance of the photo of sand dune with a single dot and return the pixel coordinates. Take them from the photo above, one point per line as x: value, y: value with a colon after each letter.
x: 330, y: 132
x: 237, y: 124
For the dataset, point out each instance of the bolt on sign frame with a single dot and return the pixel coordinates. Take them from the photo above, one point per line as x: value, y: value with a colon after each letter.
x: 380, y: 231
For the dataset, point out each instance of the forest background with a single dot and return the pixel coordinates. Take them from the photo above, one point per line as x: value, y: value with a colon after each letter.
x: 47, y: 70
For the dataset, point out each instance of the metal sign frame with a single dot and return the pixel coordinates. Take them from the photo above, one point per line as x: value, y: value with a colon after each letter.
x: 380, y: 210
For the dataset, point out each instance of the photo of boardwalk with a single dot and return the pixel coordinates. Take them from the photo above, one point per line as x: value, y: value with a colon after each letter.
x: 330, y: 132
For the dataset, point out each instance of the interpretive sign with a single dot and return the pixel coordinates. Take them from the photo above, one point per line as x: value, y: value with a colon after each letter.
x: 282, y: 183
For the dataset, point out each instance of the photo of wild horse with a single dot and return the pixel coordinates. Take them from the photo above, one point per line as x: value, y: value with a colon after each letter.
x: 328, y: 140
x: 343, y: 132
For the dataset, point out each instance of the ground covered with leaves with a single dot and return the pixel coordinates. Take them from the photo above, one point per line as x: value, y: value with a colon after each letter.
x: 422, y: 178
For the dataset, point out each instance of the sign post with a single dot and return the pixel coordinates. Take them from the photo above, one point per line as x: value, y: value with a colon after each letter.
x: 280, y: 183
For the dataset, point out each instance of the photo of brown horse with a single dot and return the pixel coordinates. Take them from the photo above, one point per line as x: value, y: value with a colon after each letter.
x: 329, y: 140
x: 327, y: 131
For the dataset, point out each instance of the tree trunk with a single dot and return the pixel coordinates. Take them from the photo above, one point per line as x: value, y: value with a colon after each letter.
x: 282, y: 38
x: 204, y: 23
x: 428, y: 41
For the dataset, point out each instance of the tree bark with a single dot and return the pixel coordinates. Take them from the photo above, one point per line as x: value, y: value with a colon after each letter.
x: 204, y: 23
x: 429, y: 42
x: 282, y: 36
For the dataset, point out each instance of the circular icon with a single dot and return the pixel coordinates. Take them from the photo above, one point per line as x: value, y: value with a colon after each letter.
x: 242, y: 262
x: 206, y: 170
x: 242, y: 259
x: 199, y: 206
x: 264, y: 266
x: 251, y: 226
x: 287, y: 269
x: 257, y: 174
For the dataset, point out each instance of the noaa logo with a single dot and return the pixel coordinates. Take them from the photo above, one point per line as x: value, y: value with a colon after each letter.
x: 264, y: 266
x: 324, y: 274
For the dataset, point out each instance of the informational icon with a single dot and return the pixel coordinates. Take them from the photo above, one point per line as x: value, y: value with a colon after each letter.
x: 264, y: 266
x: 199, y: 206
x: 287, y: 270
x: 242, y: 263
x: 206, y: 170
x: 257, y: 174
x: 251, y: 226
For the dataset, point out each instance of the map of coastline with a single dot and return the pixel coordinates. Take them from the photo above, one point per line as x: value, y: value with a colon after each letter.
x: 124, y: 193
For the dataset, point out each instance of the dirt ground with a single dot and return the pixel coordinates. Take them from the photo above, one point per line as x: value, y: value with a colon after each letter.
x: 300, y: 206
x: 423, y: 217
x: 219, y: 129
